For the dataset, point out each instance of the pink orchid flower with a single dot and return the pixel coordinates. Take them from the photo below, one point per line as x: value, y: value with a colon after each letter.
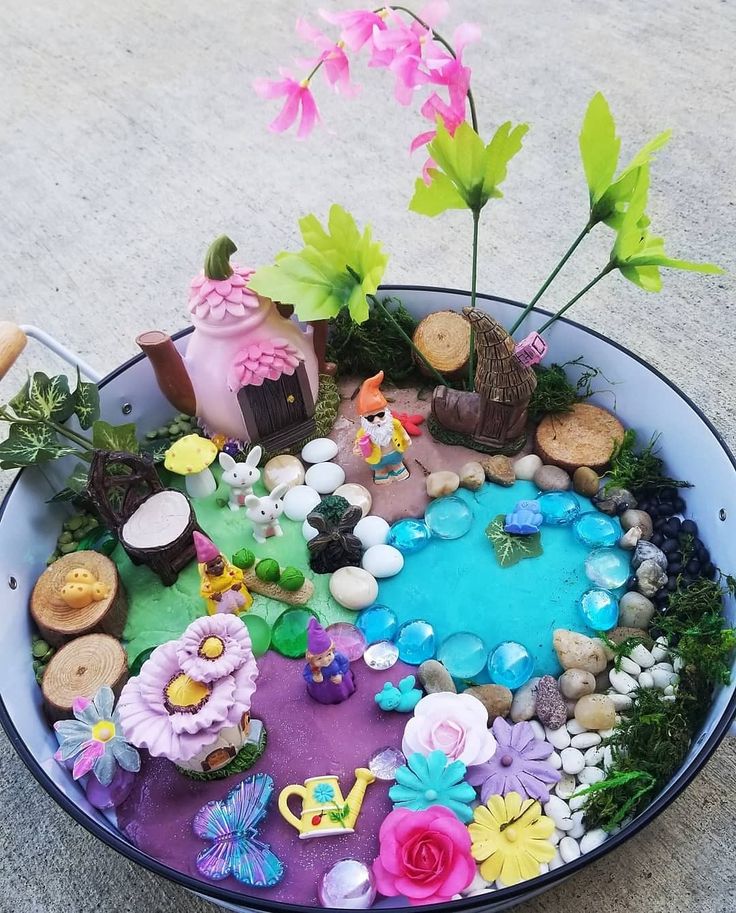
x: 358, y: 26
x: 299, y: 102
x: 332, y: 56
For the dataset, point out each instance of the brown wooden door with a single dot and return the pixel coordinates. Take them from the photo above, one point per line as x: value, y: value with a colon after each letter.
x: 276, y: 405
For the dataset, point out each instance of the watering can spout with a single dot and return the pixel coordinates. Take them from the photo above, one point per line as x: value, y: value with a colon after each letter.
x: 170, y: 370
x: 354, y: 800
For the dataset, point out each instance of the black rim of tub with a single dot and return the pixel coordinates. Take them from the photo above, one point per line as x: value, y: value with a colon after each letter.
x: 500, y: 898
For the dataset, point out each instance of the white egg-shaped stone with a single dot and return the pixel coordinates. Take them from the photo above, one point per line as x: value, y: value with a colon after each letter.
x: 309, y: 532
x: 383, y: 561
x: 320, y: 450
x: 325, y: 477
x: 354, y: 588
x: 299, y: 501
x: 357, y: 495
x: 372, y: 531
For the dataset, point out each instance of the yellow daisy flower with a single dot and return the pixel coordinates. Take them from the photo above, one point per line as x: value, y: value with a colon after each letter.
x: 511, y: 838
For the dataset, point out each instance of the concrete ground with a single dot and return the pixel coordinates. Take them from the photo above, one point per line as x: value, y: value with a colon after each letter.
x: 130, y: 137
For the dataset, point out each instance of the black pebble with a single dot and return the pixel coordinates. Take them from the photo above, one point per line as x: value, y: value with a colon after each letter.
x: 631, y: 583
x: 674, y: 567
x: 709, y: 570
x: 679, y: 505
x: 693, y: 567
x: 657, y: 539
x: 668, y: 494
x: 672, y: 526
x: 690, y: 527
x: 672, y: 584
x: 669, y: 546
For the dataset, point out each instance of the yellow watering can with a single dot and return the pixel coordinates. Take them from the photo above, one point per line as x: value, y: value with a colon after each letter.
x: 324, y: 811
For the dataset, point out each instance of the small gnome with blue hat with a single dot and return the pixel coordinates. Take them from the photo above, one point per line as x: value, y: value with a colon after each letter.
x: 327, y: 673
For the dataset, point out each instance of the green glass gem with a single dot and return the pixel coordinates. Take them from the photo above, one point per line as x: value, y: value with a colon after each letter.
x: 98, y: 540
x: 289, y: 634
x: 135, y: 666
x: 260, y: 632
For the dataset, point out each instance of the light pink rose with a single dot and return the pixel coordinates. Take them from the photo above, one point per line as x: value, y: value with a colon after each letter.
x: 456, y: 724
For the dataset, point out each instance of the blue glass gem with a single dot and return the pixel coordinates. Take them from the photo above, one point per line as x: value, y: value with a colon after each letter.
x: 600, y: 608
x: 559, y: 507
x: 524, y: 520
x: 597, y: 529
x: 416, y: 642
x: 463, y: 655
x: 377, y: 622
x: 510, y: 664
x: 448, y: 518
x: 408, y: 536
x: 608, y: 568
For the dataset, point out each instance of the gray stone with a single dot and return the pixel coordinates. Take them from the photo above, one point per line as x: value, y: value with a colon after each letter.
x: 630, y: 538
x: 524, y: 702
x: 472, y: 475
x: 551, y: 706
x: 650, y: 578
x: 635, y: 610
x: 586, y: 481
x: 552, y: 478
x: 638, y: 518
x: 647, y: 551
x: 441, y: 483
x: 434, y: 678
x: 499, y: 469
x: 574, y: 683
x: 576, y: 651
x: 614, y: 501
x: 495, y: 698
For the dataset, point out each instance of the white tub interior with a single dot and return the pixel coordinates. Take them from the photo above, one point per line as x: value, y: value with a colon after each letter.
x: 643, y: 400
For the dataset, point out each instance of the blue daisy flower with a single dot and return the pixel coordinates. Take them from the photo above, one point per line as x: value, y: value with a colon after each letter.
x: 431, y: 780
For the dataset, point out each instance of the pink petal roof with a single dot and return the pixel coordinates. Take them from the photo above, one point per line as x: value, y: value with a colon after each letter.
x: 266, y: 360
x: 215, y: 299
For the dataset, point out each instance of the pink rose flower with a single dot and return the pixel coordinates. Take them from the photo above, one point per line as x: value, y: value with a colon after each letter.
x: 424, y: 856
x: 456, y: 724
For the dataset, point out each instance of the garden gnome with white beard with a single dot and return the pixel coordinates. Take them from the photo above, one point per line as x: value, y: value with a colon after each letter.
x: 381, y: 439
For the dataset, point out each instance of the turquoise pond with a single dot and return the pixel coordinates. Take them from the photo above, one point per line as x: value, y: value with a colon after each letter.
x: 458, y: 585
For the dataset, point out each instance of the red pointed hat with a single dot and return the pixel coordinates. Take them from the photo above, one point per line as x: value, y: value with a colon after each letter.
x: 370, y: 399
x: 206, y: 548
x: 318, y: 640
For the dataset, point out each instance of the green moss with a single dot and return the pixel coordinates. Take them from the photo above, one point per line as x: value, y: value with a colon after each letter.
x: 555, y: 393
x: 459, y: 439
x: 243, y: 760
x: 639, y: 471
x: 332, y: 507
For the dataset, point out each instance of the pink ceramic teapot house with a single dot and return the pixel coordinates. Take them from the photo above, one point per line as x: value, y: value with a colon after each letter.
x: 248, y: 373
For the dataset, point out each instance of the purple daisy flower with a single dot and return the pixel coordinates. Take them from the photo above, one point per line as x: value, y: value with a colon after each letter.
x: 518, y: 764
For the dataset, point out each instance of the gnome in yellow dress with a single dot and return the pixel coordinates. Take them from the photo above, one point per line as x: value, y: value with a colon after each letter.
x: 221, y: 583
x: 381, y: 439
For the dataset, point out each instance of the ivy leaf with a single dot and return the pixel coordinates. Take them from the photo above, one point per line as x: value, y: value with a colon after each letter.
x: 86, y: 401
x: 511, y: 549
x: 468, y: 173
x: 30, y: 443
x: 337, y: 269
x: 599, y: 147
x: 114, y: 437
x: 76, y: 484
x: 44, y: 397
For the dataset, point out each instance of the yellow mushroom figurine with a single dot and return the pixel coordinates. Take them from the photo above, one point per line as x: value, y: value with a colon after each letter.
x: 191, y: 457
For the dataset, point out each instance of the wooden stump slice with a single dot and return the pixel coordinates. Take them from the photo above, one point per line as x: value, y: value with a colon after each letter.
x: 444, y: 340
x: 585, y: 436
x: 80, y: 669
x: 57, y: 620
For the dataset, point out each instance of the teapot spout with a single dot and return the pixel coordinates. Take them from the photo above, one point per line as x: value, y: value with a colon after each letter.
x: 170, y: 370
x: 354, y: 800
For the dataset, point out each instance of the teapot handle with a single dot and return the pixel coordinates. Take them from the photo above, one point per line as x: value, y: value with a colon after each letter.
x: 286, y: 813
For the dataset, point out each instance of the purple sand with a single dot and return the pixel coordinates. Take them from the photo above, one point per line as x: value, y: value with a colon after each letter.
x: 305, y: 739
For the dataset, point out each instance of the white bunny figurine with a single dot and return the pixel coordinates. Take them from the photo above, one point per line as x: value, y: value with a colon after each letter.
x: 241, y: 477
x: 264, y: 513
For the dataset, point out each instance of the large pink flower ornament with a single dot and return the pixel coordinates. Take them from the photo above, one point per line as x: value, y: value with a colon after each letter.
x: 423, y: 855
x: 214, y: 299
x: 456, y: 724
x: 213, y: 646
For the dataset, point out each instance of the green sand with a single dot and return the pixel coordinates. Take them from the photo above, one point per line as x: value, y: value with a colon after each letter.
x: 157, y: 613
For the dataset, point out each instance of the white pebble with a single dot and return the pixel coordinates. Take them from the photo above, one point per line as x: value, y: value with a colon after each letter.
x: 565, y: 786
x: 559, y: 811
x: 669, y: 697
x: 382, y: 561
x: 593, y: 839
x: 559, y: 738
x: 664, y: 667
x: 309, y: 532
x: 569, y: 849
x: 538, y: 729
x: 556, y: 861
x: 578, y: 828
x: 622, y: 681
x: 607, y: 757
x: 620, y: 701
x: 300, y: 501
x: 642, y: 656
x: 646, y: 680
x: 572, y: 760
x: 591, y: 775
x: 372, y: 531
x: 660, y: 649
x: 678, y: 664
x: 556, y: 836
x: 585, y: 740
x: 670, y: 689
x: 576, y: 805
x: 628, y: 665
x: 605, y: 733
x: 575, y: 728
x: 554, y: 760
x: 324, y: 477
x: 526, y: 466
x: 320, y: 450
x: 593, y: 756
x: 662, y: 678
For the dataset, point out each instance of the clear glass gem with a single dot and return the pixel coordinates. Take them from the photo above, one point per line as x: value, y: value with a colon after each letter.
x: 608, y: 568
x: 384, y: 763
x: 416, y: 642
x: 377, y: 622
x: 510, y: 664
x: 408, y: 536
x: 597, y: 529
x: 448, y: 518
x: 348, y: 885
x: 558, y: 507
x: 381, y: 655
x: 348, y: 639
x: 600, y: 608
x: 463, y: 654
